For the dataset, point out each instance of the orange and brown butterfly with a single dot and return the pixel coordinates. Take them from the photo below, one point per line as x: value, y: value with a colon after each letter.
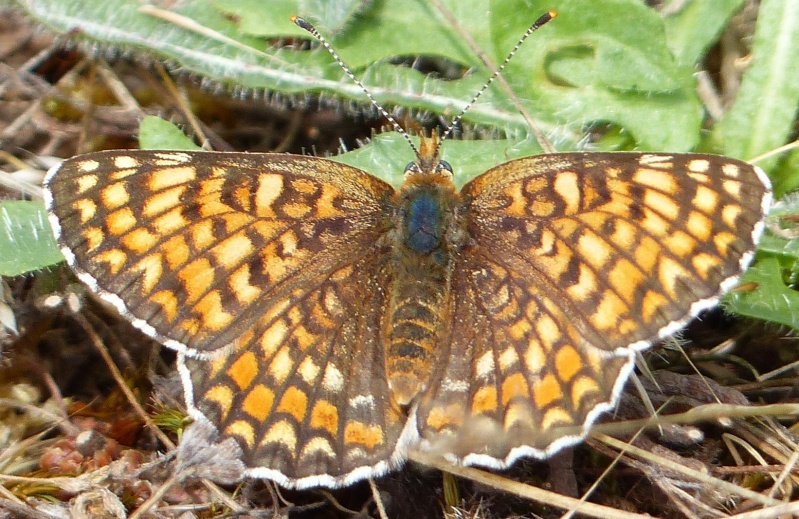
x: 330, y: 323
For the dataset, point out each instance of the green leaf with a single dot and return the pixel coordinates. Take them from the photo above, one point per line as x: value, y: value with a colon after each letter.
x: 26, y: 239
x: 263, y: 19
x: 763, y: 114
x: 771, y: 300
x: 597, y: 62
x: 696, y: 26
x: 604, y: 62
x: 778, y: 242
x: 786, y: 175
x: 268, y: 19
x: 386, y: 30
x: 158, y: 134
x: 387, y: 155
x: 332, y: 15
x: 775, y: 272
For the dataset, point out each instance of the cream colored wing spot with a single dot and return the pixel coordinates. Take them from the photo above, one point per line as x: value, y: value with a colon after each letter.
x: 706, y: 200
x: 87, y: 166
x: 333, y: 380
x: 308, y: 370
x: 122, y: 221
x: 168, y: 177
x: 699, y: 165
x: 281, y: 366
x: 172, y: 159
x: 663, y: 181
x: 663, y: 204
x: 87, y: 209
x: 164, y: 201
x: 243, y: 430
x: 567, y: 187
x: 731, y: 170
x: 281, y: 433
x: 126, y: 162
x: 659, y: 161
x: 269, y: 189
x: 86, y: 182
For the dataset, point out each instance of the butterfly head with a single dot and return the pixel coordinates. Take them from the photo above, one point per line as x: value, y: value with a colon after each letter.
x: 428, y: 163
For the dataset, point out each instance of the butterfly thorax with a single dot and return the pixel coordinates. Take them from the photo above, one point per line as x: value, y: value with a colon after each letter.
x: 426, y: 240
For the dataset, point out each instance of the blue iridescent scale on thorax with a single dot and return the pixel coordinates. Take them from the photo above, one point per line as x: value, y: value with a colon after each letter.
x: 423, y: 223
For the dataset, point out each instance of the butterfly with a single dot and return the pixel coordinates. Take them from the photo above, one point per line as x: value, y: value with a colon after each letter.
x: 330, y: 323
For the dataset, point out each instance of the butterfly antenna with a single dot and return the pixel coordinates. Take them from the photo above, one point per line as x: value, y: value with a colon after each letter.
x: 306, y: 25
x: 546, y: 17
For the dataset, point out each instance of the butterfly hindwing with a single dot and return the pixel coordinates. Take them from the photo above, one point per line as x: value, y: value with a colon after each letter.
x: 533, y: 381
x: 305, y: 390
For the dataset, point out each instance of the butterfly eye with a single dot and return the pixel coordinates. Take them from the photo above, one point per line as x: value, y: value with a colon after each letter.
x: 444, y: 166
x: 412, y: 168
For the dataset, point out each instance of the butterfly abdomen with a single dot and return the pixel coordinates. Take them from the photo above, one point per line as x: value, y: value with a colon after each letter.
x: 420, y: 294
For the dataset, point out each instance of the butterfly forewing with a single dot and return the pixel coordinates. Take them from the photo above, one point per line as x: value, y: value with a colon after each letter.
x: 194, y: 247
x: 626, y: 244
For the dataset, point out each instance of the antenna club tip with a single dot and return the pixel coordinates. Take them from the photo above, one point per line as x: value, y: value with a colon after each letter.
x: 300, y: 22
x: 552, y: 13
